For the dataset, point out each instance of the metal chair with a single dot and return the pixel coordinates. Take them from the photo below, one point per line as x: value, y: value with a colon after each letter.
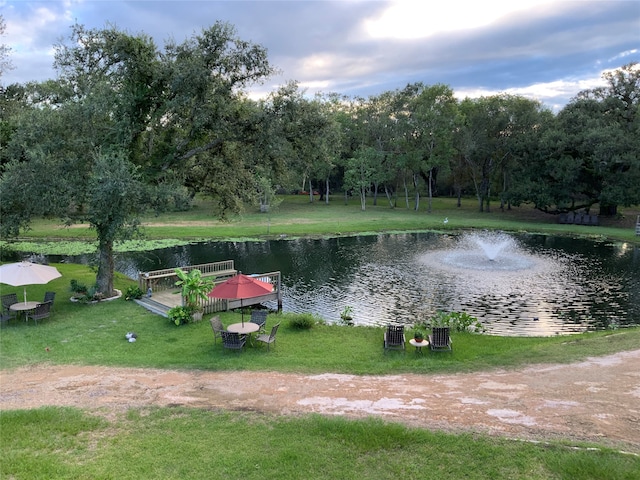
x: 8, y: 300
x: 394, y: 338
x: 4, y: 318
x: 269, y: 339
x: 49, y: 297
x: 233, y: 341
x: 42, y: 311
x: 259, y: 317
x: 217, y: 327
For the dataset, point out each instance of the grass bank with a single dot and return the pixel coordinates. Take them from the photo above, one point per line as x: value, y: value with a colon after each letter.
x: 296, y: 217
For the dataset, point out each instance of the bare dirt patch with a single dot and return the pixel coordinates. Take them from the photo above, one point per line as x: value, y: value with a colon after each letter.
x: 595, y: 400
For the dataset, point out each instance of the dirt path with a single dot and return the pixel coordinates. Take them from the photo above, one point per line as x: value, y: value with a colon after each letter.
x: 595, y: 400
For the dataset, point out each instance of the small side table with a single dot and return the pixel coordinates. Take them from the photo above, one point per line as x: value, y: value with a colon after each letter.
x: 419, y: 345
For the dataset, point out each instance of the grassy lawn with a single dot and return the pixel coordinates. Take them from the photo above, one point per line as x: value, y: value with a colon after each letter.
x: 167, y: 443
x: 296, y: 216
x: 179, y: 443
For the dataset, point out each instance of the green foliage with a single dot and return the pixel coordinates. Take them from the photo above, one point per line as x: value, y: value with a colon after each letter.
x: 133, y: 293
x: 456, y: 321
x: 180, y: 315
x: 84, y: 294
x: 301, y: 321
x: 194, y: 287
x: 346, y: 317
x: 78, y: 287
x: 418, y: 335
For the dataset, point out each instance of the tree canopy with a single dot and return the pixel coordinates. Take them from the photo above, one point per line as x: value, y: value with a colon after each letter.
x: 127, y: 127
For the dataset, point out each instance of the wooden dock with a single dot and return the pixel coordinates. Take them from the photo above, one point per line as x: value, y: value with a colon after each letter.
x: 164, y: 295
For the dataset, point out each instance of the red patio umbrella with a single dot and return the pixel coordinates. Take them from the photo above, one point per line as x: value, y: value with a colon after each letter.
x: 241, y: 287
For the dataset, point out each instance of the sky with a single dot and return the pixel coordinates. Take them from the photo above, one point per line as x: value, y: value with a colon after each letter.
x: 541, y: 49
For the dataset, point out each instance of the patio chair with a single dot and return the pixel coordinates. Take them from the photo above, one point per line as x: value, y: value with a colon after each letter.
x: 269, y: 339
x: 4, y: 318
x: 439, y: 340
x: 259, y: 317
x: 394, y: 338
x: 42, y: 311
x: 8, y: 300
x: 233, y: 341
x: 49, y: 297
x: 217, y: 327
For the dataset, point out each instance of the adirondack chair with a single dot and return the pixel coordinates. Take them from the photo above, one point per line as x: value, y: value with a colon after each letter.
x: 439, y: 340
x: 394, y: 338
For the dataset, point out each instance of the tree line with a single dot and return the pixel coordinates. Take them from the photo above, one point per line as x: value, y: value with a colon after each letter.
x: 127, y: 127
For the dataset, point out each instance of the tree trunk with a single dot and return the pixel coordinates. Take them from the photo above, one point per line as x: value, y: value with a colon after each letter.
x: 310, y: 191
x: 326, y: 190
x: 406, y: 191
x: 430, y: 191
x: 363, y: 199
x: 416, y: 205
x: 389, y: 197
x: 104, y: 277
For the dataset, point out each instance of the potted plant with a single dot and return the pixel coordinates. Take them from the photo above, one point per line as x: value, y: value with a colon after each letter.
x: 193, y: 288
x: 418, y: 336
x: 346, y: 317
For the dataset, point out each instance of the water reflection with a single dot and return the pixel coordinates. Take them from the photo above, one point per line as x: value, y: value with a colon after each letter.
x: 574, y: 285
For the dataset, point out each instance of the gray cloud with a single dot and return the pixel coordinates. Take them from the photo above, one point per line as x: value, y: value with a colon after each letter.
x: 550, y: 51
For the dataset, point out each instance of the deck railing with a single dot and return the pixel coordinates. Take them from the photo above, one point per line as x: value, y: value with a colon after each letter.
x: 166, y: 278
x: 274, y: 278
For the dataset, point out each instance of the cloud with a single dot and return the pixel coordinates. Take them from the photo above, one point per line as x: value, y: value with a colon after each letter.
x: 544, y: 49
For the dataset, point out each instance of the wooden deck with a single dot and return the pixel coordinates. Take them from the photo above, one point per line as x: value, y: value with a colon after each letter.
x: 164, y: 294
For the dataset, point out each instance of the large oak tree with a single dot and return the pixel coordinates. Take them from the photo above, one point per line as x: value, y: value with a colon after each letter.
x: 124, y: 124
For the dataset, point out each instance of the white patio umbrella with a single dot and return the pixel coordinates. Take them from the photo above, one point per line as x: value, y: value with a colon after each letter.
x: 27, y: 273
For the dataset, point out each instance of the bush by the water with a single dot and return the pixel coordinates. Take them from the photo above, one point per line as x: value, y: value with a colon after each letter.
x: 301, y: 321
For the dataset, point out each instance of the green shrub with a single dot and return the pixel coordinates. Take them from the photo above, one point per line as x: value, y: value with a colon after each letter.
x: 301, y: 321
x: 457, y: 321
x: 85, y: 294
x: 133, y: 293
x: 78, y: 288
x: 180, y: 315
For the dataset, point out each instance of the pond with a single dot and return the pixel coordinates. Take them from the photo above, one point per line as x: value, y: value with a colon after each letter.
x: 534, y: 285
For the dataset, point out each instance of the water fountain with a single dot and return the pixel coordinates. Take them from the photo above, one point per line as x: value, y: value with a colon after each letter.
x: 488, y: 251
